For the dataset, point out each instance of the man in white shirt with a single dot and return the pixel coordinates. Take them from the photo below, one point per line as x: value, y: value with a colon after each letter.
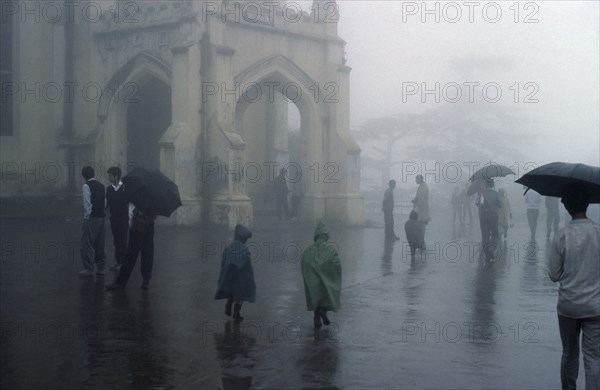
x: 574, y: 262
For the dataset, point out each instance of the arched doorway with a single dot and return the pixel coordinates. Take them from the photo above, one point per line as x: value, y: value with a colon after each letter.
x: 148, y: 117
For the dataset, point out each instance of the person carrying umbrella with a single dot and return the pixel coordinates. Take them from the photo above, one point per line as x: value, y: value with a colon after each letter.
x: 574, y: 262
x: 322, y: 274
x: 151, y: 194
x: 236, y: 279
x: 141, y: 239
x: 489, y: 205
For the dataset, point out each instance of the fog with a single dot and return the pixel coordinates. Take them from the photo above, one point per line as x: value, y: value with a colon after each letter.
x: 552, y: 45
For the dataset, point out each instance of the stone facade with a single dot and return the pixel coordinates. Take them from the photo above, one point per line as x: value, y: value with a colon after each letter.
x: 193, y: 88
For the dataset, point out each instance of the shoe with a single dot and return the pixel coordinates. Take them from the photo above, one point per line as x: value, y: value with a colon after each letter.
x: 228, y: 307
x: 145, y: 285
x: 86, y: 273
x: 317, y: 320
x: 323, y: 314
x: 100, y: 271
x: 116, y: 267
x: 236, y: 312
x: 114, y: 286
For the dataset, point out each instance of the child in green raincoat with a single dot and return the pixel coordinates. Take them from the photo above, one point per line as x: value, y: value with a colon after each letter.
x: 322, y: 273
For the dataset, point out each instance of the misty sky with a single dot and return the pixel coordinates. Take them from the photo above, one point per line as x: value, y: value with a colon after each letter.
x: 559, y: 54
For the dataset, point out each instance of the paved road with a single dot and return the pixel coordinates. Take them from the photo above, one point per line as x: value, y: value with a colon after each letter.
x: 445, y: 320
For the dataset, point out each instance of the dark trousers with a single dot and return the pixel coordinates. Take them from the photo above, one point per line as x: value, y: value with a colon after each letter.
x: 570, y: 328
x: 488, y: 222
x: 138, y: 242
x: 282, y: 206
x: 388, y: 219
x: 120, y: 227
x: 532, y: 218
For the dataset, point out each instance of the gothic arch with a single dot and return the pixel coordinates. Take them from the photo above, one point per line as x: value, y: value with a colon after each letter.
x: 129, y: 77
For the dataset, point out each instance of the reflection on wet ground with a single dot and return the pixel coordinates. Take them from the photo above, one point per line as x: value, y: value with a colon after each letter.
x: 443, y: 319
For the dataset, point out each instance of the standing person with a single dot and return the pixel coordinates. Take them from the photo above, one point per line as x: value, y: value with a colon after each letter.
x: 504, y: 213
x: 533, y: 200
x: 388, y: 211
x: 456, y: 202
x: 236, y: 279
x: 466, y: 206
x: 116, y: 201
x: 141, y: 239
x: 414, y: 234
x: 574, y: 262
x: 281, y: 191
x: 421, y: 202
x: 552, y: 215
x: 489, y: 205
x: 92, y: 239
x: 322, y: 274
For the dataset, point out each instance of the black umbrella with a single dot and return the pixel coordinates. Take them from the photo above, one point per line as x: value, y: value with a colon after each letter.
x: 550, y: 179
x: 152, y: 192
x: 490, y: 171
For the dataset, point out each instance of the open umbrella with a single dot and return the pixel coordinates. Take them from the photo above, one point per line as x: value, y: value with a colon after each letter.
x: 550, y: 179
x: 152, y: 192
x: 490, y: 171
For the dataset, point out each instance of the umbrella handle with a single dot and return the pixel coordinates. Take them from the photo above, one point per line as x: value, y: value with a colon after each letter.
x: 526, y: 190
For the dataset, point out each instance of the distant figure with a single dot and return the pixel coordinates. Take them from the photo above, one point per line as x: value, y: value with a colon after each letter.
x: 421, y: 203
x: 236, y: 279
x: 322, y: 274
x: 93, y: 236
x: 116, y: 202
x: 414, y: 233
x: 552, y: 215
x: 489, y: 205
x: 533, y: 200
x: 456, y: 202
x: 574, y: 262
x: 504, y: 213
x: 466, y: 205
x: 141, y: 240
x: 388, y: 211
x: 281, y: 192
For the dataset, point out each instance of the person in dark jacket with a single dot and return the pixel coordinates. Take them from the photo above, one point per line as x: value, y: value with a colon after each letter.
x: 489, y: 205
x: 236, y: 279
x: 414, y: 233
x: 116, y: 202
x: 93, y: 237
x: 141, y: 240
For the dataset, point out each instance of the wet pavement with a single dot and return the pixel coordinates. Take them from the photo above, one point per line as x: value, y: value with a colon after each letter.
x: 443, y: 320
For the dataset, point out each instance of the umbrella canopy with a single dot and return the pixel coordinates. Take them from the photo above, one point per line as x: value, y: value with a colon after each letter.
x: 152, y: 192
x: 490, y: 171
x: 550, y: 179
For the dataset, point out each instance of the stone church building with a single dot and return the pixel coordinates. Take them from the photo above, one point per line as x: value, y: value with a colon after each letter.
x: 199, y: 90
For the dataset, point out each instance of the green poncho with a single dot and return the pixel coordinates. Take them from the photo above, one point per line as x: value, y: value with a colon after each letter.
x: 322, y: 272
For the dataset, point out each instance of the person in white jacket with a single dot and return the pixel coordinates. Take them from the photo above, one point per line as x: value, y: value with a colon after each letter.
x: 574, y: 262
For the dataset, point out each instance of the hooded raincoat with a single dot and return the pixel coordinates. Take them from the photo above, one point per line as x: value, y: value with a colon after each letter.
x: 322, y: 272
x: 236, y: 280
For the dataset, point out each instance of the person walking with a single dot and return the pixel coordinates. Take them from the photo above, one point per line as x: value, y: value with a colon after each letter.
x: 281, y: 192
x: 489, y: 205
x: 141, y: 240
x: 574, y: 262
x: 504, y: 214
x: 322, y: 275
x: 388, y: 211
x: 533, y: 200
x: 236, y: 278
x: 93, y: 236
x: 116, y: 202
